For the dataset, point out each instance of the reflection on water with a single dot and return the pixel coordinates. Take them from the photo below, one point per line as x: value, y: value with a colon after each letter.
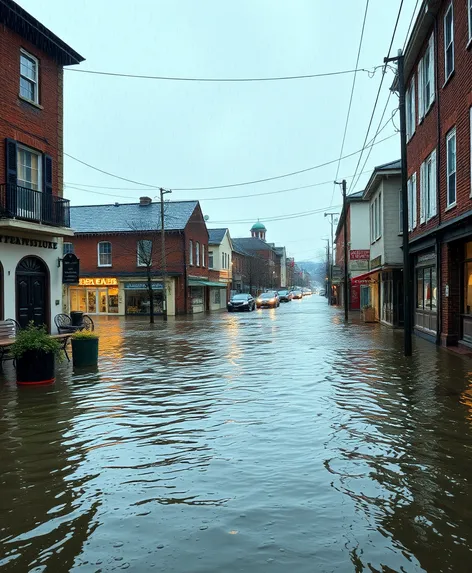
x: 275, y: 440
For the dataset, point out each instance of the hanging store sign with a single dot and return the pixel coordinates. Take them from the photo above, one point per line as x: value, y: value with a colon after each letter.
x: 70, y: 269
x: 359, y: 255
x: 107, y: 281
x: 25, y: 242
x: 143, y: 286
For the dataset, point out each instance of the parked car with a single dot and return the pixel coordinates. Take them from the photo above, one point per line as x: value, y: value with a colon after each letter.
x: 268, y: 299
x: 306, y: 292
x: 241, y: 302
x: 297, y: 294
x: 284, y: 295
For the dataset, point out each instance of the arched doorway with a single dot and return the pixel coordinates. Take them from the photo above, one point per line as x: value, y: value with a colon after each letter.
x: 32, y: 292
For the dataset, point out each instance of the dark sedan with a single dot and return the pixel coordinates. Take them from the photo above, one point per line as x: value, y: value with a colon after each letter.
x: 285, y: 296
x: 241, y: 302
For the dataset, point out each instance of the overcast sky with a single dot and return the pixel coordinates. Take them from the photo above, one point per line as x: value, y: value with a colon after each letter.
x: 192, y: 134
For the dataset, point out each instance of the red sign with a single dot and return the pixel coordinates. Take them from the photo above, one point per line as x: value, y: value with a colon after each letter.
x: 360, y: 255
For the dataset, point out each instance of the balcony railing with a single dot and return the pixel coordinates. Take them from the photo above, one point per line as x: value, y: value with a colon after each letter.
x: 35, y: 206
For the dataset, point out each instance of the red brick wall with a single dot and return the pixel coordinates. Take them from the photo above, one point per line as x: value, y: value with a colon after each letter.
x: 454, y: 100
x: 41, y: 129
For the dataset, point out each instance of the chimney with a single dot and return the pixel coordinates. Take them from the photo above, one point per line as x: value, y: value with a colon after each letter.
x: 144, y: 201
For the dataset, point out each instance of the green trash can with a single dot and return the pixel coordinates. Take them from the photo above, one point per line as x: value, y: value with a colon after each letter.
x: 85, y: 351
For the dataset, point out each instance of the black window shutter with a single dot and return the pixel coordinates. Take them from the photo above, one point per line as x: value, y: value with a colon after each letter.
x: 10, y: 161
x: 47, y: 174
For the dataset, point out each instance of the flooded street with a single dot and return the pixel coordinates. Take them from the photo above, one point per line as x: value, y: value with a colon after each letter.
x: 279, y: 440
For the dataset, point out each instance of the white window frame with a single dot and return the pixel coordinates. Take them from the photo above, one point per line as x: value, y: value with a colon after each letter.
x: 203, y: 255
x: 190, y: 252
x: 469, y: 14
x: 425, y: 76
x: 66, y: 252
x: 412, y: 203
x: 410, y: 110
x: 34, y: 82
x: 197, y: 254
x: 40, y: 167
x: 428, y: 188
x: 211, y: 260
x: 99, y: 254
x: 449, y: 171
x: 139, y: 261
x: 448, y: 75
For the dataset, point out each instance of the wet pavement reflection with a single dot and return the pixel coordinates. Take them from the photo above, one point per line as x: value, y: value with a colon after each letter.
x: 279, y: 440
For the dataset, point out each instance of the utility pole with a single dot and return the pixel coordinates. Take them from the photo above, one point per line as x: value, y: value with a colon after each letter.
x: 163, y: 254
x: 330, y: 270
x: 406, y: 246
x: 346, y: 278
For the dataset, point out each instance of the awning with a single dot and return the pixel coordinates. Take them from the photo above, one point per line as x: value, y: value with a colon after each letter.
x: 365, y: 278
x: 194, y: 282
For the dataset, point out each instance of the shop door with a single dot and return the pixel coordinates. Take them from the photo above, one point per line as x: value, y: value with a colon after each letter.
x: 365, y: 296
x: 31, y: 292
x: 102, y: 301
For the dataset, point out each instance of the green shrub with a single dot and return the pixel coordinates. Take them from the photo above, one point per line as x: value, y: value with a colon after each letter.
x: 84, y: 335
x: 37, y: 339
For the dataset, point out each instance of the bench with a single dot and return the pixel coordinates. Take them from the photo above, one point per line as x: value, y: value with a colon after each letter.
x: 8, y: 330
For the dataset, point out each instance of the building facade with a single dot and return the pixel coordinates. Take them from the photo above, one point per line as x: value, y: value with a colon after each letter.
x: 35, y: 217
x: 438, y: 76
x: 119, y: 247
x: 220, y: 264
x: 354, y: 228
x: 382, y: 286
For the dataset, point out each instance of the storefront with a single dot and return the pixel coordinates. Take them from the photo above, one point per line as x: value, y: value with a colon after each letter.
x: 30, y: 277
x: 95, y: 296
x: 391, y: 297
x: 137, y: 298
x: 206, y: 295
x: 426, y: 292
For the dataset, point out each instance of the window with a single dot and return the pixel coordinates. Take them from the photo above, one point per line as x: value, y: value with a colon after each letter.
x: 104, y: 254
x: 412, y: 202
x: 426, y: 289
x: 469, y: 12
x: 29, y: 164
x: 401, y: 212
x: 197, y: 254
x: 448, y: 43
x: 203, y: 255
x: 410, y: 110
x: 144, y: 253
x: 190, y: 252
x: 223, y: 261
x: 210, y: 259
x: 67, y: 248
x: 426, y: 88
x: 451, y: 167
x: 29, y: 70
x: 428, y: 188
x: 376, y: 218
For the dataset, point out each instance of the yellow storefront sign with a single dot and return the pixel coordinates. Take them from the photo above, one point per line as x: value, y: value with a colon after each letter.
x: 108, y: 281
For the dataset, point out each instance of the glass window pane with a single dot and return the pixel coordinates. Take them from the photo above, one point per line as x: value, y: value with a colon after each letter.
x: 419, y: 289
x: 434, y: 290
x: 427, y: 288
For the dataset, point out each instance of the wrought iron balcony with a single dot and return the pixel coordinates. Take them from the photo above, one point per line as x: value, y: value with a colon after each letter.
x: 35, y: 206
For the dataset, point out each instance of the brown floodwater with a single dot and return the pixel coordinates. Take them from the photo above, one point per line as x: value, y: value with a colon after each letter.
x: 279, y: 441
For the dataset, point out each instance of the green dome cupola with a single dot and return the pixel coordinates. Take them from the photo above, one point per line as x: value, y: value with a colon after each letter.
x: 258, y: 231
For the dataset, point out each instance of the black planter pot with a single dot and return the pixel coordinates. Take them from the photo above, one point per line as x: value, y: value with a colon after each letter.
x: 84, y: 352
x: 35, y: 367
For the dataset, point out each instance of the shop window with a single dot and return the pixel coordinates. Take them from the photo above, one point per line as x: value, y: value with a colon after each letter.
x: 216, y: 296
x: 137, y: 302
x: 426, y: 289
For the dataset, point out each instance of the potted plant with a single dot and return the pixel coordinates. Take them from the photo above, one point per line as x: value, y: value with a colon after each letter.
x: 34, y: 352
x: 84, y: 348
x: 368, y: 313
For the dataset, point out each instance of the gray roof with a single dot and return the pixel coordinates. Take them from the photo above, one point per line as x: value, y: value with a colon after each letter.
x: 393, y: 168
x: 129, y: 217
x: 238, y: 248
x: 252, y: 244
x: 389, y: 166
x: 216, y: 236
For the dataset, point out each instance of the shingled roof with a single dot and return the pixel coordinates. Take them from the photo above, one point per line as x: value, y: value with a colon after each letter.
x: 216, y: 236
x: 129, y: 217
x: 252, y: 244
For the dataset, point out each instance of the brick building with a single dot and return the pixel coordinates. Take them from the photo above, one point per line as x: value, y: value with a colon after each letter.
x: 117, y: 245
x: 438, y: 76
x: 221, y: 265
x: 34, y: 217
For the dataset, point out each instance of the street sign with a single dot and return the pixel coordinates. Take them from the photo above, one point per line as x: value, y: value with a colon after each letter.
x: 70, y: 269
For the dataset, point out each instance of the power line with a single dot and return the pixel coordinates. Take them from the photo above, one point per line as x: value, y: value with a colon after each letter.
x: 232, y: 184
x: 351, y: 97
x: 380, y: 86
x: 223, y: 80
x: 280, y: 217
x: 411, y: 24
